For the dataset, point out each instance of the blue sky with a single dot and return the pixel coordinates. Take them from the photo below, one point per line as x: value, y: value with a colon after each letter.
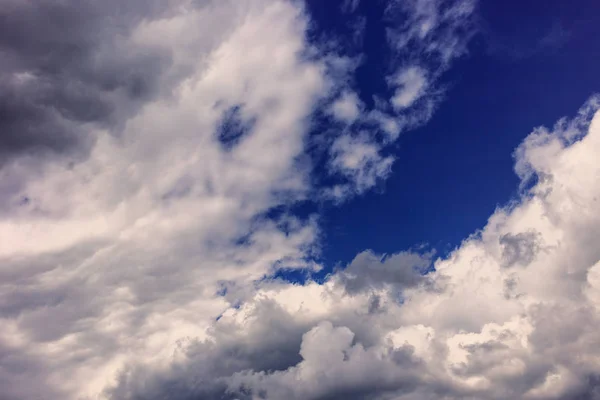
x: 299, y: 200
x: 452, y: 173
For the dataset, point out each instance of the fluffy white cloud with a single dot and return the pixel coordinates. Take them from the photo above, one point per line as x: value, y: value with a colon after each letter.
x: 512, y: 313
x: 116, y: 256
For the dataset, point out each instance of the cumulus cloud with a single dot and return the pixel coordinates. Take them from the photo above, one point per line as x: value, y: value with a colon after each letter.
x: 436, y: 28
x: 520, y: 248
x: 147, y: 144
x: 369, y: 272
x: 333, y: 367
x: 477, y: 327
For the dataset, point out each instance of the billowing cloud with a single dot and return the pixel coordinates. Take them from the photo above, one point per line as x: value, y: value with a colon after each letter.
x: 115, y: 255
x: 512, y: 313
x: 369, y: 272
x: 144, y: 147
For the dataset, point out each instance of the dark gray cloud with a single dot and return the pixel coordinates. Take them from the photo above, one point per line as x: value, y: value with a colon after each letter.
x: 18, y: 371
x: 271, y: 343
x: 589, y: 389
x: 336, y: 365
x: 520, y: 248
x: 66, y: 65
x: 371, y: 272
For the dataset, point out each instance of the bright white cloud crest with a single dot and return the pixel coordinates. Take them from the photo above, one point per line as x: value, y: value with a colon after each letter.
x: 135, y: 271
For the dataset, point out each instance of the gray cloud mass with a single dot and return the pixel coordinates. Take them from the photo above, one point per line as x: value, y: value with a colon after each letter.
x: 65, y: 65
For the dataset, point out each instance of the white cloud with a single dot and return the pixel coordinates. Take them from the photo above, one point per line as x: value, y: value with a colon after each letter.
x: 117, y: 257
x: 359, y: 159
x: 478, y: 327
x: 346, y: 108
x: 331, y: 363
x: 411, y: 84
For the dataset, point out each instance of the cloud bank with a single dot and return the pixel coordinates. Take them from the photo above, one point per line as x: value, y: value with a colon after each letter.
x: 142, y: 148
x: 511, y: 313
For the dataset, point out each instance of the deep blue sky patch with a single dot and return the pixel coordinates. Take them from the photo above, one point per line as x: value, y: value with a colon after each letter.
x: 528, y: 63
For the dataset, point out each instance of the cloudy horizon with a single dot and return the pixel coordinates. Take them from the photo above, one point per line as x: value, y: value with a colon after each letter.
x: 182, y: 203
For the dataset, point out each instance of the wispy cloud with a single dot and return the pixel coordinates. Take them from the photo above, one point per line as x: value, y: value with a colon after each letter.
x: 522, y: 47
x: 424, y: 38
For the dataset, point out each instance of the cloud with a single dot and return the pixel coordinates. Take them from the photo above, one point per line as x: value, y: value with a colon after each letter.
x: 346, y: 108
x: 359, y: 159
x: 57, y: 83
x: 411, y: 83
x: 477, y: 327
x: 424, y: 38
x: 333, y: 367
x: 369, y: 272
x: 113, y: 256
x: 350, y: 6
x: 520, y: 248
x: 136, y: 233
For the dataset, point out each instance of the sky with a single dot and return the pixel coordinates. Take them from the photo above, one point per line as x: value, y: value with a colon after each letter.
x: 311, y: 200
